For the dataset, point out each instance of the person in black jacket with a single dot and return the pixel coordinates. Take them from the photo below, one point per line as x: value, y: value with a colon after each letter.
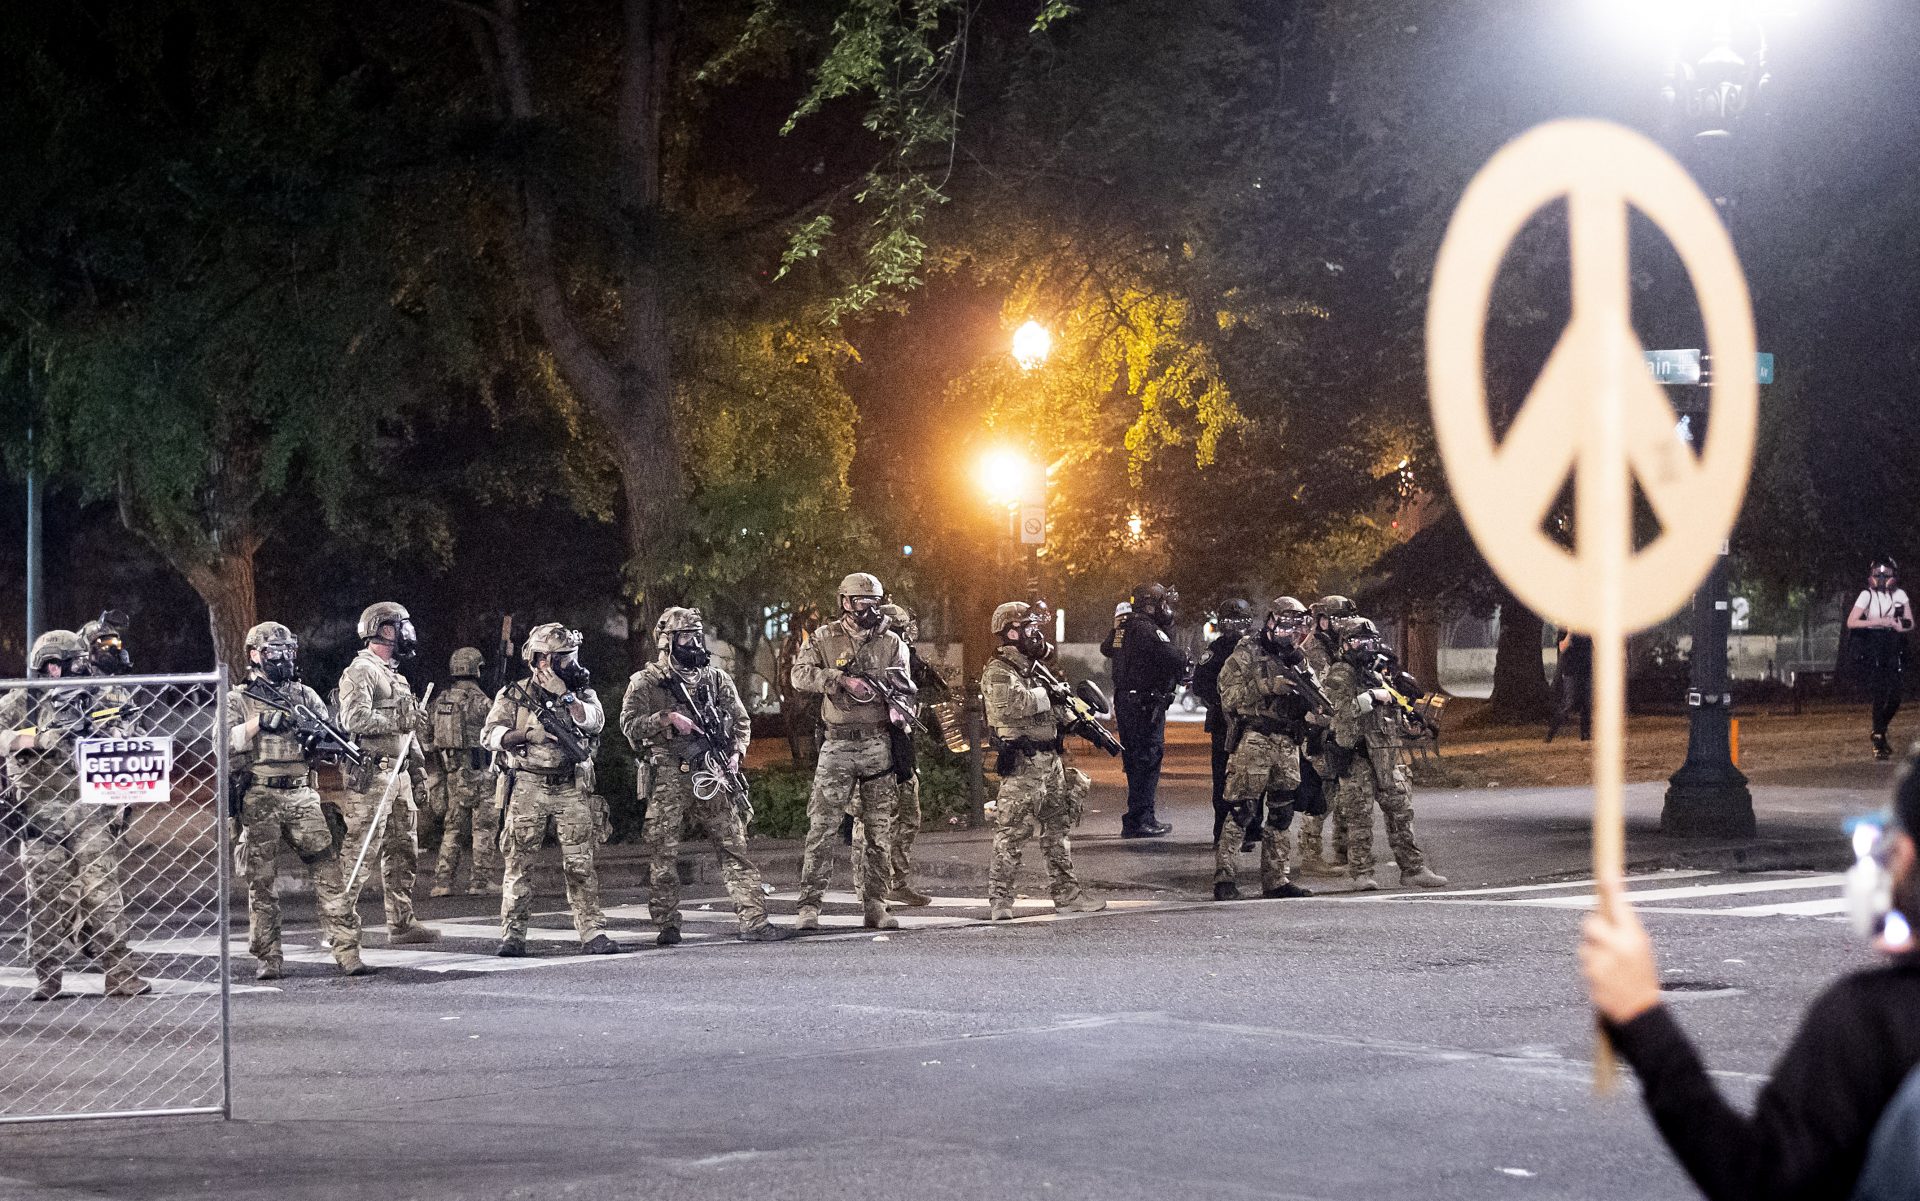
x: 1232, y: 622
x: 1147, y: 669
x: 1809, y: 1132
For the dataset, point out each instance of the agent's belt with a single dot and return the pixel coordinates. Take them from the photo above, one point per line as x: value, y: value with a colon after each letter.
x: 854, y: 733
x: 281, y: 782
x: 549, y: 776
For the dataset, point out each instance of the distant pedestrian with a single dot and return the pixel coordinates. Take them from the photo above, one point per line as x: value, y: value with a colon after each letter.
x: 1573, y: 685
x: 1813, y: 1128
x: 1877, y: 629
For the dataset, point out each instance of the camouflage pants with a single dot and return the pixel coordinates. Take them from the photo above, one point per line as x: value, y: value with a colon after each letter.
x: 472, y: 827
x: 394, y: 852
x: 531, y: 810
x: 906, y: 824
x: 1046, y: 797
x: 1377, y: 777
x: 1312, y: 836
x: 268, y: 815
x: 1262, y: 765
x: 74, y: 901
x: 668, y: 805
x: 860, y: 770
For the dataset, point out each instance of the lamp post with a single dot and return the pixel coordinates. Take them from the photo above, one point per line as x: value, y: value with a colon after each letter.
x: 1716, y: 72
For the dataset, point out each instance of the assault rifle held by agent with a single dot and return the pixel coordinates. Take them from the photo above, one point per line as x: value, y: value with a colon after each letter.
x: 903, y: 710
x: 1084, y: 711
x: 316, y: 735
x: 714, y: 773
x: 551, y: 711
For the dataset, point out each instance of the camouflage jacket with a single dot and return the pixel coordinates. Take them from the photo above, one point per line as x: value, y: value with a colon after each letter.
x: 459, y: 716
x: 834, y: 650
x: 1355, y: 717
x: 377, y: 705
x: 43, y: 780
x: 270, y: 754
x: 1017, y: 705
x: 643, y: 711
x: 1251, y: 684
x: 513, y: 709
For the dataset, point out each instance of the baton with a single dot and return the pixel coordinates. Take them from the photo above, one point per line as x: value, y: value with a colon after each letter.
x: 386, y: 797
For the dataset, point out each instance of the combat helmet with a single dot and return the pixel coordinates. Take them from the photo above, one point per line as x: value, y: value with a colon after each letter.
x: 551, y: 638
x: 676, y: 620
x: 1334, y: 605
x: 63, y: 645
x: 378, y: 614
x: 466, y: 662
x: 861, y: 583
x: 269, y: 632
x: 1011, y: 614
x: 900, y: 621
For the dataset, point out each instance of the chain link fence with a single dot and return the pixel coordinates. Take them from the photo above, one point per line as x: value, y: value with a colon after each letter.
x: 113, y: 898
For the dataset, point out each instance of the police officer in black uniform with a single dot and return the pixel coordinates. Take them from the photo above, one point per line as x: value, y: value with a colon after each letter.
x: 1147, y: 669
x: 1232, y: 621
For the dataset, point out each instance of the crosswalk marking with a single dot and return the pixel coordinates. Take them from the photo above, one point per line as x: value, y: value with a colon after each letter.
x: 1664, y: 897
x: 1820, y: 908
x: 1676, y: 874
x: 1693, y: 891
x: 94, y: 984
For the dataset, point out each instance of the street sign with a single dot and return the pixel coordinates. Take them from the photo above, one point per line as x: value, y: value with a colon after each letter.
x: 1596, y: 413
x: 1033, y: 525
x: 1688, y: 368
x: 1675, y: 368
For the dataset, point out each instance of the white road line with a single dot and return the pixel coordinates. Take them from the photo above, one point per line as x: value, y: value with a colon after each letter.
x: 1792, y: 908
x: 94, y: 984
x: 1694, y: 891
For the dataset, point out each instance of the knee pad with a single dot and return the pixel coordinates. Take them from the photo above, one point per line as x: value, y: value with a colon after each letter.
x: 1242, y: 812
x: 320, y: 854
x: 1280, y: 809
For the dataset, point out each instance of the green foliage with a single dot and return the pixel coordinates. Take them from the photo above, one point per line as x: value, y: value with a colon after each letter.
x: 781, y: 790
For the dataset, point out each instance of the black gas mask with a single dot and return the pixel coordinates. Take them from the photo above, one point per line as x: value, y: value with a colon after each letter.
x: 690, y: 649
x: 1033, y: 642
x: 1883, y: 577
x: 570, y: 671
x: 866, y: 611
x: 1279, y: 637
x: 110, y: 656
x: 1366, y: 652
x: 280, y: 663
x: 406, y: 643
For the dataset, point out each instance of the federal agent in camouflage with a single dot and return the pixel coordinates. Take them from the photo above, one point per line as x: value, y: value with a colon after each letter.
x: 1320, y: 646
x: 663, y: 727
x: 1364, y: 751
x: 546, y: 727
x: 472, y: 822
x: 906, y: 817
x: 378, y: 708
x: 1039, y: 793
x: 849, y: 663
x: 280, y: 803
x: 68, y: 851
x: 1269, y: 719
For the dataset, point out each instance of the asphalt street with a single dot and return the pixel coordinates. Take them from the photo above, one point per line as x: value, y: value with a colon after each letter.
x: 1348, y: 1046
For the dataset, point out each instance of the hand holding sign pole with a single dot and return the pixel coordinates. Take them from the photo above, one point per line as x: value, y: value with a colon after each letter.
x: 1594, y: 412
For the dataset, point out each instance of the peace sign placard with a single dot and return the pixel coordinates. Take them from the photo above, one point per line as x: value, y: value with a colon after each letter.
x: 1594, y: 413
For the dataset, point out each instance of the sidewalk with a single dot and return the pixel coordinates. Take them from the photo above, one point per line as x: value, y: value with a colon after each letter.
x: 1483, y: 836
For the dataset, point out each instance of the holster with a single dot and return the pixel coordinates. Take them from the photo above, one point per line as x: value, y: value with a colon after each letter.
x: 905, y: 757
x: 1235, y: 733
x: 359, y: 777
x: 1339, y: 758
x: 336, y: 824
x: 237, y: 784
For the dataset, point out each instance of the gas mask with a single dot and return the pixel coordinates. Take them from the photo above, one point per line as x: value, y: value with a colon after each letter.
x: 1033, y: 643
x: 865, y: 611
x: 1278, y: 637
x: 1882, y: 579
x: 279, y: 663
x: 690, y: 649
x: 405, y: 643
x: 566, y: 673
x: 1869, y: 887
x: 110, y: 656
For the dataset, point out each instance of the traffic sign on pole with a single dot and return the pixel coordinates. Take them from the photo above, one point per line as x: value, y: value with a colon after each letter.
x: 1033, y: 525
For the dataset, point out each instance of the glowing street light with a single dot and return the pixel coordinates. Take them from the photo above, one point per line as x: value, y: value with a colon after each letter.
x: 1005, y: 475
x: 1031, y: 345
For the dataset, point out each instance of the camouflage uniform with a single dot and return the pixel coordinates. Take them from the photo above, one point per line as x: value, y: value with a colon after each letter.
x: 1319, y: 653
x: 281, y: 803
x: 545, y: 793
x: 1269, y: 713
x: 666, y: 761
x: 1042, y: 795
x: 68, y: 851
x: 856, y: 761
x: 466, y: 785
x: 378, y: 708
x: 1375, y: 733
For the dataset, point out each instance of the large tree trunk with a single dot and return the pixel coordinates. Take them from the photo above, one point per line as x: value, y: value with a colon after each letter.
x: 1420, y: 650
x: 225, y: 583
x: 1519, y: 680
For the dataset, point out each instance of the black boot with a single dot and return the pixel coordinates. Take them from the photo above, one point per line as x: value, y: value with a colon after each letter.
x: 600, y: 944
x: 1287, y: 891
x: 669, y: 937
x: 1226, y: 890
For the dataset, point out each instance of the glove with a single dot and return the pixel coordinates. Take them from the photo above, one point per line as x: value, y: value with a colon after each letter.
x: 857, y: 688
x: 276, y: 721
x: 681, y: 723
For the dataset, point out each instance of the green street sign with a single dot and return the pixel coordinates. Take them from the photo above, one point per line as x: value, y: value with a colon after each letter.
x: 1690, y: 368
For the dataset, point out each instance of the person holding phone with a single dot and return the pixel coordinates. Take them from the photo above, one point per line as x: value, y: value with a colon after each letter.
x: 1878, y: 626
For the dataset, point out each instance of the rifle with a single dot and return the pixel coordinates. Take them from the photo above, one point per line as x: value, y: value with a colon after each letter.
x: 557, y: 723
x: 712, y: 775
x: 82, y: 722
x: 901, y: 705
x: 1082, y: 717
x: 316, y: 735
x: 386, y: 797
x: 1302, y: 681
x: 1391, y: 684
x: 497, y: 678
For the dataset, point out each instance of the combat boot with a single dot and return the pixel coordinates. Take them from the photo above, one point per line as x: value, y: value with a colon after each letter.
x: 807, y: 917
x: 412, y: 933
x: 600, y: 944
x: 441, y: 890
x: 270, y: 967
x: 350, y: 962
x: 513, y: 946
x: 123, y: 981
x: 907, y: 895
x: 1001, y: 913
x: 50, y: 978
x: 1423, y: 877
x: 1225, y: 890
x: 1081, y: 903
x: 1285, y: 892
x: 1313, y: 865
x: 483, y: 890
x: 1364, y: 882
x: 669, y: 936
x: 765, y: 932
x: 879, y: 919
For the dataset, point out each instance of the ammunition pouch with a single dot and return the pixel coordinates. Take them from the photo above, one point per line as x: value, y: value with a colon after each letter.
x: 359, y: 777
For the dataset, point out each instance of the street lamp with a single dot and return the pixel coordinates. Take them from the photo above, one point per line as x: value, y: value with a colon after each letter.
x: 1005, y: 476
x: 1031, y: 345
